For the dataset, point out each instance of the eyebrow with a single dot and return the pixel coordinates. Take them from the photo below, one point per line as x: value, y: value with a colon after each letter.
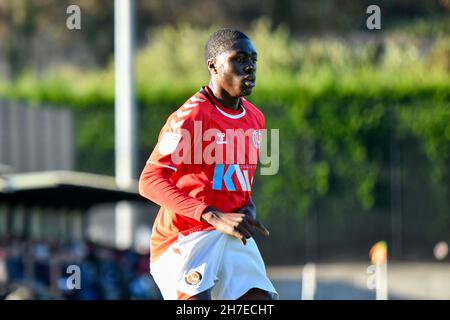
x: 247, y: 53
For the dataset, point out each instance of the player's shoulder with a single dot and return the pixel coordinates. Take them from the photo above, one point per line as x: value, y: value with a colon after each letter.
x: 253, y: 110
x: 194, y: 108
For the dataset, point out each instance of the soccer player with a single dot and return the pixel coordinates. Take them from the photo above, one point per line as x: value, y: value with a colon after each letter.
x: 201, y: 173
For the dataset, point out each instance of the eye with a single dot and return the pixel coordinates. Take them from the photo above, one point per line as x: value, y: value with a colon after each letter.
x: 239, y: 59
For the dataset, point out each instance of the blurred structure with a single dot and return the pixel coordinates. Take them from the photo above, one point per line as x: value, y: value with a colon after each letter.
x: 44, y: 224
x: 50, y: 219
x: 36, y: 139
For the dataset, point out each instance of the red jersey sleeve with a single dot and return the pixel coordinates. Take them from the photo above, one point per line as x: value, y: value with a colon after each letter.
x: 175, y: 134
x: 175, y: 139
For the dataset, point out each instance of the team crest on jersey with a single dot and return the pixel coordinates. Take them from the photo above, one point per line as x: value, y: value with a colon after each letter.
x: 193, y: 278
x: 257, y: 137
x: 221, y: 138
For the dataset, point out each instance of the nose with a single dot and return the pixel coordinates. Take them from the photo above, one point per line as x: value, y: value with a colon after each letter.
x: 250, y: 68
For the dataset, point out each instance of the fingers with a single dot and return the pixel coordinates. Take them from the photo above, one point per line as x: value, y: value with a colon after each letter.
x: 248, y: 221
x: 245, y: 230
x: 239, y: 235
x: 242, y: 233
x: 259, y: 226
x: 240, y: 226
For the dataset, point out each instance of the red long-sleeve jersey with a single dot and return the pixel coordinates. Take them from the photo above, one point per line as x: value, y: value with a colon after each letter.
x: 206, y: 155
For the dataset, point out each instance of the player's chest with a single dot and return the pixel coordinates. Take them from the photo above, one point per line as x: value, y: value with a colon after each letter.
x: 231, y: 142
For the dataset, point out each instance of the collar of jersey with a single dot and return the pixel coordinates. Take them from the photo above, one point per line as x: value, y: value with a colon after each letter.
x: 227, y: 112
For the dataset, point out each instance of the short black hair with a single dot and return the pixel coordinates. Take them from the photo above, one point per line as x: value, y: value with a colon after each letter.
x: 221, y: 41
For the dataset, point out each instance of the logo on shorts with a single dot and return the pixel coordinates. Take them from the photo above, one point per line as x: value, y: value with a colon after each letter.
x: 193, y: 278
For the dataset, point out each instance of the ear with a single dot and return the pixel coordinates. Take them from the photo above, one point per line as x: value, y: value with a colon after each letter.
x: 212, y: 66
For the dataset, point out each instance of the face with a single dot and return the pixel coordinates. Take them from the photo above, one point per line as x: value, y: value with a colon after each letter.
x: 235, y: 69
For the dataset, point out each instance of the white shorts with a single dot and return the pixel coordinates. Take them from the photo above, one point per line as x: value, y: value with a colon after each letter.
x: 210, y: 260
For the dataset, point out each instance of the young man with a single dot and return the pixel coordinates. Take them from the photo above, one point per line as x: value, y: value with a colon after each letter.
x: 200, y: 173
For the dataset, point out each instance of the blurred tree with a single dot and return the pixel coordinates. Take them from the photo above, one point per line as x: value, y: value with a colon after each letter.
x: 33, y: 33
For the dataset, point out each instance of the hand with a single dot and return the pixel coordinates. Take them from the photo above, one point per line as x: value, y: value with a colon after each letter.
x: 238, y: 225
x: 249, y: 209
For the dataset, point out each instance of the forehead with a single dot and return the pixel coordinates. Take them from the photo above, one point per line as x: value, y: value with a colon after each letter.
x: 241, y: 46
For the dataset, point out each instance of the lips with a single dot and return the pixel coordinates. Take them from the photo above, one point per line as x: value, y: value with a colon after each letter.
x: 249, y: 82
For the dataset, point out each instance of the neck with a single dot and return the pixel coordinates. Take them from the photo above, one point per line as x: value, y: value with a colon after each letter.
x: 223, y: 97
